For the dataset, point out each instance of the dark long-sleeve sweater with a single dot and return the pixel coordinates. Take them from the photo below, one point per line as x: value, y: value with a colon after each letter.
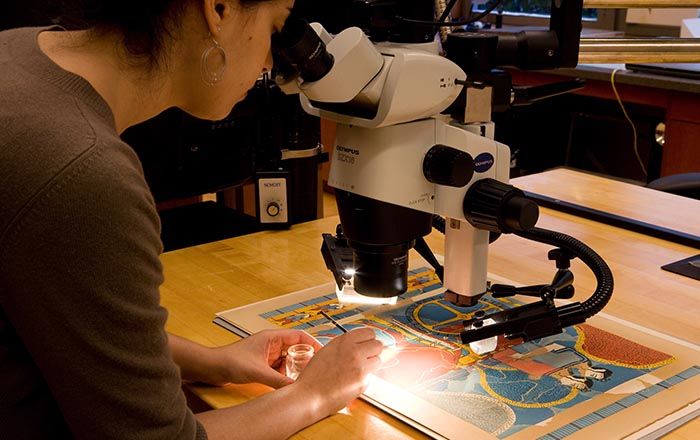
x: 83, y: 350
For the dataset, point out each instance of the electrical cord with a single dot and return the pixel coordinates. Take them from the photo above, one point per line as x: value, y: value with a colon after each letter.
x: 635, y: 145
x: 442, y: 11
x: 439, y: 223
x: 469, y: 20
x: 600, y: 297
x: 448, y: 10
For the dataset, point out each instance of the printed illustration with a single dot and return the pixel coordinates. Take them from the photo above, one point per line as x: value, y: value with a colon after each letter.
x: 516, y: 387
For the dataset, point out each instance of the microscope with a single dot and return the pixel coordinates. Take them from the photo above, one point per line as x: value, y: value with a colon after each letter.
x: 408, y: 157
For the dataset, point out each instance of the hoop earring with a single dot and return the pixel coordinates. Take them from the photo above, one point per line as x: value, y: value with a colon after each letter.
x: 208, y: 76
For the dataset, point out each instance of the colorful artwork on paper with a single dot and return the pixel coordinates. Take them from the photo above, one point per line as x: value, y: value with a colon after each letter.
x: 503, y: 393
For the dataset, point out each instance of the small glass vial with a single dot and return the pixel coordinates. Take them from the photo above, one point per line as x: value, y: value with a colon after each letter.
x: 297, y: 357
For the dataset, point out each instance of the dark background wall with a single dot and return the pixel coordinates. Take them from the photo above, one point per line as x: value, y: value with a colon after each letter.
x: 582, y: 132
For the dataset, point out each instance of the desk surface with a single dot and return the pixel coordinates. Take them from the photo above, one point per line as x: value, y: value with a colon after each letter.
x: 203, y: 280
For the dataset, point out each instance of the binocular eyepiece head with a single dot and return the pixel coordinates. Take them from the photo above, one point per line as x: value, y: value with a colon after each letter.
x: 297, y: 50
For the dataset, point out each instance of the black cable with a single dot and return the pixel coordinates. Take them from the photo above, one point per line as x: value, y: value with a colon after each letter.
x: 447, y: 11
x: 424, y: 251
x: 439, y: 223
x: 572, y: 313
x: 469, y: 20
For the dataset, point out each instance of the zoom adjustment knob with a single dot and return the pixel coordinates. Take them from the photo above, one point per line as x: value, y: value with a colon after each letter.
x: 499, y: 207
x: 448, y: 166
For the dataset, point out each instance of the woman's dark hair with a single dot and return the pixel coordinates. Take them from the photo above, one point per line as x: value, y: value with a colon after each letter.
x: 146, y: 26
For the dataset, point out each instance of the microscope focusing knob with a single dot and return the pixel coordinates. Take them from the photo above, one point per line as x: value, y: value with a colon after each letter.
x: 448, y: 166
x: 499, y: 207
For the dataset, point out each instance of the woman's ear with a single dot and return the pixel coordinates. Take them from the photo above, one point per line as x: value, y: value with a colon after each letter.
x: 215, y: 12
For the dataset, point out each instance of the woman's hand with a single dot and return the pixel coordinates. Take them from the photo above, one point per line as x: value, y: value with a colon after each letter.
x: 259, y: 358
x: 339, y: 372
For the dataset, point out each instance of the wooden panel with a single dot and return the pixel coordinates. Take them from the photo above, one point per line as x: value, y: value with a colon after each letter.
x: 249, y: 201
x: 641, y: 3
x: 681, y: 154
x: 600, y: 89
x: 684, y: 107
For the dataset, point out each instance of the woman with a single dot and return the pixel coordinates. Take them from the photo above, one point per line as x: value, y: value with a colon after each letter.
x: 83, y: 351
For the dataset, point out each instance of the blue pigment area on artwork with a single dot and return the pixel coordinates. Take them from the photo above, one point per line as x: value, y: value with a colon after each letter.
x: 434, y: 314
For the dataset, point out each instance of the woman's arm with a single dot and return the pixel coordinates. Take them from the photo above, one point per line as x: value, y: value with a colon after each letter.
x: 275, y: 415
x: 337, y: 374
x: 197, y: 363
x: 257, y: 358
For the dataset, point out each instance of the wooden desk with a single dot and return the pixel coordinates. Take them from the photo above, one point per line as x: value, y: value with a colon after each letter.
x: 203, y: 280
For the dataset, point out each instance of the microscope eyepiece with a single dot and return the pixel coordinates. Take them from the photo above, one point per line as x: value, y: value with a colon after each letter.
x: 298, y: 49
